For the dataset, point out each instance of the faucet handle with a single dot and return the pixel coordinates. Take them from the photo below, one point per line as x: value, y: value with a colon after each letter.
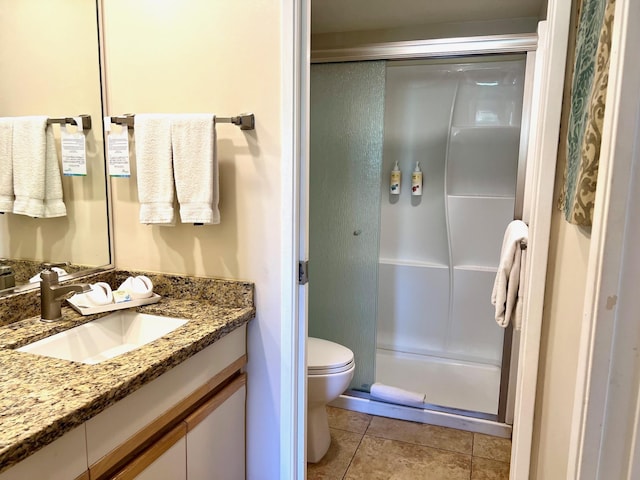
x: 50, y: 265
x: 49, y: 277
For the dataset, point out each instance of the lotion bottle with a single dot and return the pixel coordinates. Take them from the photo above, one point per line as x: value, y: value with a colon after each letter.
x: 416, y: 180
x: 396, y: 175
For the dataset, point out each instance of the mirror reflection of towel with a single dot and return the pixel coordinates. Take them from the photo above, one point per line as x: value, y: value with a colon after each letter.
x: 6, y: 165
x: 36, y: 172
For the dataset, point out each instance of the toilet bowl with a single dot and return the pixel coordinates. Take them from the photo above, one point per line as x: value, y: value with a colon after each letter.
x: 330, y: 368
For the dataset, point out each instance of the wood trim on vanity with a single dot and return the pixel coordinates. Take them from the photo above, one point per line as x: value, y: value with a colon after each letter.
x: 210, y: 405
x: 142, y: 461
x: 125, y: 452
x: 84, y: 476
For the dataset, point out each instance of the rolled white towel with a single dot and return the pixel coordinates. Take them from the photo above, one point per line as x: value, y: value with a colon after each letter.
x: 137, y: 287
x: 100, y: 294
x: 397, y: 395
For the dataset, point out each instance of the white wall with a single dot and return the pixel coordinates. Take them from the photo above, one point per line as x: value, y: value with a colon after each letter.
x: 561, y: 327
x: 225, y: 58
x: 561, y: 322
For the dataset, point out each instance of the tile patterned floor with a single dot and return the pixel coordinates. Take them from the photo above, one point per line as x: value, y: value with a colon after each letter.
x: 378, y: 448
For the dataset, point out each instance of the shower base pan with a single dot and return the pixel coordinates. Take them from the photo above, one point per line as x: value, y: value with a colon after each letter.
x: 447, y: 383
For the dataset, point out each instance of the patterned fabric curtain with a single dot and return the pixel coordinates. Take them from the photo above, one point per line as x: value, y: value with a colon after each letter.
x: 588, y: 97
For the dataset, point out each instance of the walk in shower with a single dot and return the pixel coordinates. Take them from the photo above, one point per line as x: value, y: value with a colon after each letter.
x: 405, y: 281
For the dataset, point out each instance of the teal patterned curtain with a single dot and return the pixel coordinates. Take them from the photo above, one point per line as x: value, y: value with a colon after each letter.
x: 588, y: 98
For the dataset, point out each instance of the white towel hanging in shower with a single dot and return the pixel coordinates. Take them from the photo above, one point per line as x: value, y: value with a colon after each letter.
x: 507, y: 291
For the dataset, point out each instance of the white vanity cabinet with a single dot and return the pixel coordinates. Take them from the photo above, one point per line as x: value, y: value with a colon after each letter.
x: 133, y: 430
x: 208, y: 444
x: 216, y: 436
x: 164, y: 460
x: 187, y: 423
x: 63, y: 459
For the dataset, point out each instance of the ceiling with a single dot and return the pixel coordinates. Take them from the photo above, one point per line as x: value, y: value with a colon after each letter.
x: 353, y: 15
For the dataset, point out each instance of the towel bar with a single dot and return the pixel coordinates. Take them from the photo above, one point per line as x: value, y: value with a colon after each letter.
x: 85, y: 119
x: 246, y: 121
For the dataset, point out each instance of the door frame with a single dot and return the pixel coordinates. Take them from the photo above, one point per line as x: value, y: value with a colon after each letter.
x: 606, y: 415
x: 543, y: 143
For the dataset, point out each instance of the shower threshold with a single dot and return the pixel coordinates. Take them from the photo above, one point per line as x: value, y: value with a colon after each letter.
x: 432, y: 414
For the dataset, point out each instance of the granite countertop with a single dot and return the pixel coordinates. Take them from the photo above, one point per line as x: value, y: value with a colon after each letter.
x: 43, y: 398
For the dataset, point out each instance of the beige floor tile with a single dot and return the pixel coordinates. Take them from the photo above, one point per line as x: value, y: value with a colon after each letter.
x: 495, y: 448
x: 347, y: 420
x: 334, y: 464
x: 421, y: 434
x: 383, y: 459
x: 486, y: 469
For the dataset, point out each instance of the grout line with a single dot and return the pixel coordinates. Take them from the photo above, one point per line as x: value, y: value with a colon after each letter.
x: 440, y: 449
x: 352, y: 457
x: 473, y: 443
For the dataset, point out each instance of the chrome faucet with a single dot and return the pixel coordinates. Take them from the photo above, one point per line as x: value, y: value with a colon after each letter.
x: 52, y: 294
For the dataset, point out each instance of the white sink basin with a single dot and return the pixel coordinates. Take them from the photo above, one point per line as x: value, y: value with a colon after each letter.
x: 105, y: 338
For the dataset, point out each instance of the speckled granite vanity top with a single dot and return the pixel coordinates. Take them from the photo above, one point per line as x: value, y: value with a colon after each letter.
x: 43, y: 398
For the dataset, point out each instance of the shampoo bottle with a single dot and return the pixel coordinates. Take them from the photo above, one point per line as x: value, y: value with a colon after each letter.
x: 416, y: 180
x: 394, y: 187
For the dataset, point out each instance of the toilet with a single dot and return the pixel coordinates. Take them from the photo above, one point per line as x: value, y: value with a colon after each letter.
x: 330, y: 368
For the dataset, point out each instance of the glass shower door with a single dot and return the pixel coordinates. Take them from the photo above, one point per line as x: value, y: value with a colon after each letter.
x: 347, y: 111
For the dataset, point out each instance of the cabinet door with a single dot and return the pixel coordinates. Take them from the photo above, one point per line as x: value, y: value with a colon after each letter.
x: 164, y: 460
x: 216, y: 436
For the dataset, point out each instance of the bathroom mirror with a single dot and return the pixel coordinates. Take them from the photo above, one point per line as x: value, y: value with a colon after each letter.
x: 50, y: 63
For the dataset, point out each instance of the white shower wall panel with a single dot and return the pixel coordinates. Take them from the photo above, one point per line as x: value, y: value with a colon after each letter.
x: 477, y: 226
x: 483, y: 161
x: 418, y: 101
x: 474, y: 334
x: 446, y: 382
x: 413, y: 308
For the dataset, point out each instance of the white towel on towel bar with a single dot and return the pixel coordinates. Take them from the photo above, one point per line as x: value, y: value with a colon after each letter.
x: 154, y: 168
x: 36, y: 172
x: 6, y: 165
x: 506, y: 288
x: 193, y: 138
x: 53, y: 202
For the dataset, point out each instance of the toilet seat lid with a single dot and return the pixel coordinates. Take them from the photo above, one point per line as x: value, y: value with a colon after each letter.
x: 325, y: 357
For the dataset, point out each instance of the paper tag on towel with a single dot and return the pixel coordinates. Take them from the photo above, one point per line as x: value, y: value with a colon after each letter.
x: 118, y: 151
x: 74, y: 152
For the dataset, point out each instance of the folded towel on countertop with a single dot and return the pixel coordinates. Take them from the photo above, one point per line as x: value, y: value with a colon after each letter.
x: 195, y: 167
x: 507, y: 290
x: 154, y: 168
